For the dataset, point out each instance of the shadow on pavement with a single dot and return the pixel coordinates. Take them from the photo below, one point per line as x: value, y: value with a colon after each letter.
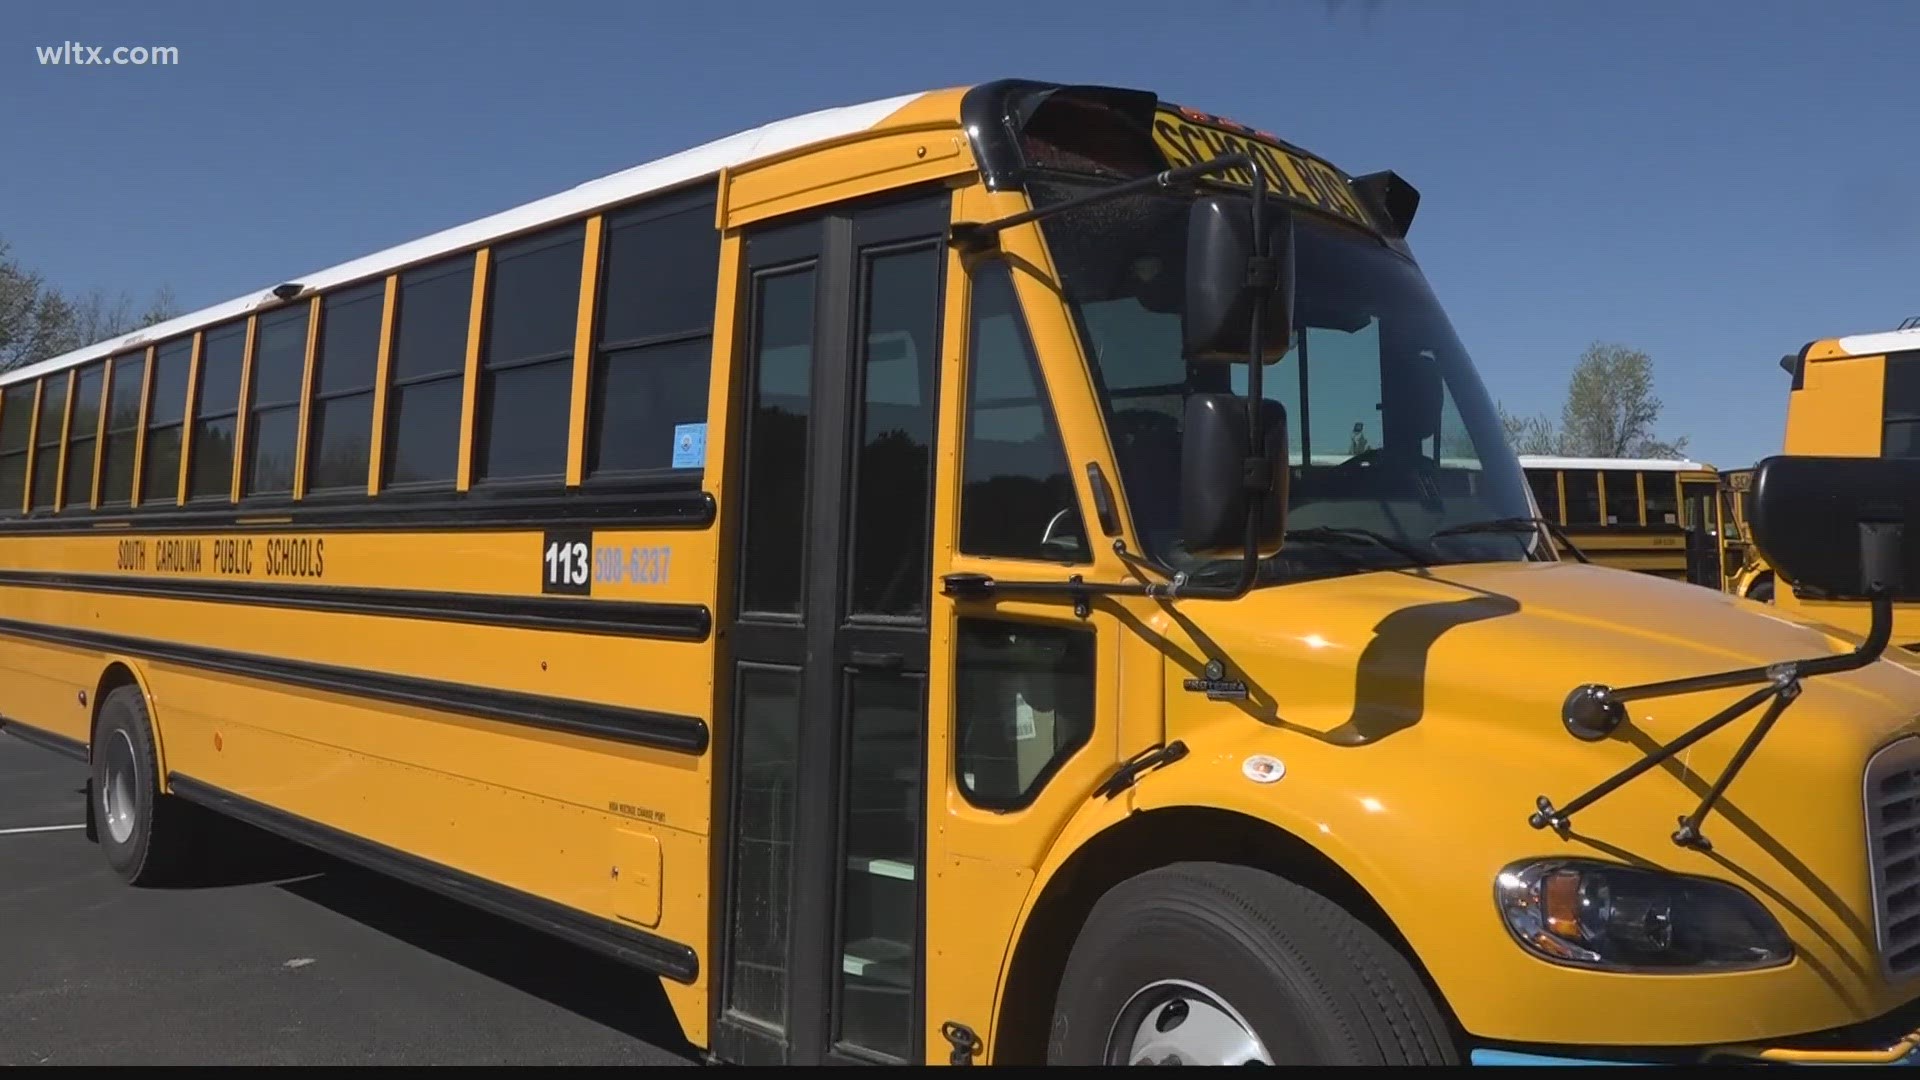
x: 603, y: 990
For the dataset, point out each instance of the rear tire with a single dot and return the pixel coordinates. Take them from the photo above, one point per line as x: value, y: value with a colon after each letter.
x: 1210, y: 963
x: 143, y: 832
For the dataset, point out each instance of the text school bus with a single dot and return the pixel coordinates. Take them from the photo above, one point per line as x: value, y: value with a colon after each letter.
x: 1653, y: 515
x: 833, y: 570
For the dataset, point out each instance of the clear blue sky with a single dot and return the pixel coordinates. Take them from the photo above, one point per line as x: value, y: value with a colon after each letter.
x: 1716, y: 183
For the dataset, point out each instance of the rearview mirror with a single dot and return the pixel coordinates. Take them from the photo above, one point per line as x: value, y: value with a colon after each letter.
x: 1835, y: 528
x: 1217, y: 322
x: 1213, y: 490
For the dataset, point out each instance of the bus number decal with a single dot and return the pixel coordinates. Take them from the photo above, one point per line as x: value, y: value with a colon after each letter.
x: 564, y: 559
x: 639, y: 565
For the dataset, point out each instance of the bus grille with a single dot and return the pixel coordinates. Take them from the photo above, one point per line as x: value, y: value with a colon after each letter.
x: 1893, y: 854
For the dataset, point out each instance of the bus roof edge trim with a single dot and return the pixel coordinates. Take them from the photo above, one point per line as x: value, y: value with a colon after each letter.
x: 707, y: 159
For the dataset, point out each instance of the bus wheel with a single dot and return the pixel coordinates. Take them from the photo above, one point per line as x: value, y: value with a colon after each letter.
x: 140, y: 829
x: 1762, y: 591
x: 1214, y: 964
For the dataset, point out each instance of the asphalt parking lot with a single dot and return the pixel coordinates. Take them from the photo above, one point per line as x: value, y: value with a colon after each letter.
x: 287, y: 957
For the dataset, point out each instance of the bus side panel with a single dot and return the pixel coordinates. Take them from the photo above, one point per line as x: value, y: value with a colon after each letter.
x: 1831, y: 414
x: 48, y: 687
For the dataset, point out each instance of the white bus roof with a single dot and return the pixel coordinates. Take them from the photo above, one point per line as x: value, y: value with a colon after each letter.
x: 659, y: 175
x: 1548, y: 461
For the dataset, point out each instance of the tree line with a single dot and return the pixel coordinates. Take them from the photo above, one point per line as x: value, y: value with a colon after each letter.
x: 1610, y: 411
x: 38, y: 321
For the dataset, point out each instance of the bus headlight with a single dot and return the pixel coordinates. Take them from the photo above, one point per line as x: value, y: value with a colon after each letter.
x: 1622, y: 918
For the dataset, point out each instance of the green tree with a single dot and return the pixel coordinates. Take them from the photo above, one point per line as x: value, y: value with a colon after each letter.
x: 1610, y: 411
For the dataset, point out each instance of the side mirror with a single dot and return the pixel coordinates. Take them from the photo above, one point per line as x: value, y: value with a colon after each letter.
x: 1836, y: 527
x: 1213, y: 491
x: 1217, y: 321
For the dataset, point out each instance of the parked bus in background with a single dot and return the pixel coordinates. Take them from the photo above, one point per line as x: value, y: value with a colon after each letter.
x: 1856, y: 396
x: 831, y: 570
x: 1747, y: 574
x: 1651, y: 515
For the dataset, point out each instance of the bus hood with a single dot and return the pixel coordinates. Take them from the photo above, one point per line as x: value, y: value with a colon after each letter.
x: 1357, y: 659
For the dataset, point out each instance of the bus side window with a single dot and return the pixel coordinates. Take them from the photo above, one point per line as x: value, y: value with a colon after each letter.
x: 1900, y: 435
x: 429, y: 370
x: 16, y: 420
x: 1017, y: 498
x: 166, y: 420
x: 216, y: 405
x: 1583, y: 497
x: 649, y: 381
x: 525, y: 398
x: 1663, y: 498
x: 1623, y: 497
x: 1546, y: 491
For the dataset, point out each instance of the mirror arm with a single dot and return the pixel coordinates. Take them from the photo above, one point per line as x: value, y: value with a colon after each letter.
x: 980, y: 235
x: 1593, y: 711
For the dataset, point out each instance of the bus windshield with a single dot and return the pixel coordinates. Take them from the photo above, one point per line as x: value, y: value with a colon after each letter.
x: 1389, y: 429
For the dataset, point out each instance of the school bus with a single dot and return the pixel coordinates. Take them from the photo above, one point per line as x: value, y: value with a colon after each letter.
x: 882, y: 574
x: 1652, y: 515
x: 1852, y: 396
x: 1747, y: 572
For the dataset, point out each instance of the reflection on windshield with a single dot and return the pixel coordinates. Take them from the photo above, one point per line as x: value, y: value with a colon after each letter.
x: 1388, y: 427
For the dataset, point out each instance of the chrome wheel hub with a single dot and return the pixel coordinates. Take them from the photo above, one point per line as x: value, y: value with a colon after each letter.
x: 1181, y: 1023
x: 117, y: 805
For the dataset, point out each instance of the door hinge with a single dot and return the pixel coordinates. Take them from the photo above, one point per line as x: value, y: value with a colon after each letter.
x: 965, y: 1043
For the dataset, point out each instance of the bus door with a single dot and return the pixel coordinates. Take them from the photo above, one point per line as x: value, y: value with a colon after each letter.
x: 1701, y: 500
x: 820, y: 925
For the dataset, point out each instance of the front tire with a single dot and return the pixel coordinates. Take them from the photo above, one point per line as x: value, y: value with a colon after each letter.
x: 142, y: 831
x: 1210, y: 963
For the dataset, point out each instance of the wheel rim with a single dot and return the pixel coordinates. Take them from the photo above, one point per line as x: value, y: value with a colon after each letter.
x: 117, y: 794
x: 1181, y: 1023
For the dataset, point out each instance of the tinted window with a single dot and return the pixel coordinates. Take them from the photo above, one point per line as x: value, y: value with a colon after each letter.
x: 221, y: 357
x: 160, y: 458
x: 1017, y: 498
x: 894, y: 472
x: 123, y: 429
x: 273, y: 427
x: 430, y: 333
x: 346, y: 365
x: 1583, y: 496
x: 1623, y: 497
x: 661, y: 275
x: 429, y: 367
x: 1024, y: 699
x: 777, y: 441
x: 526, y: 382
x: 1663, y: 498
x: 1546, y: 491
x: 216, y: 405
x: 648, y: 392
x: 1900, y: 436
x: 16, y: 424
x: 83, y: 435
x: 46, y: 452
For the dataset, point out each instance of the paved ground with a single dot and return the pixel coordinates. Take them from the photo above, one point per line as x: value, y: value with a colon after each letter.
x: 295, y: 959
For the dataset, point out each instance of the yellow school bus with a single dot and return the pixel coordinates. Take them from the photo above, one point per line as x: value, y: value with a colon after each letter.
x: 1653, y: 515
x: 1747, y: 572
x: 1854, y: 396
x: 1017, y: 573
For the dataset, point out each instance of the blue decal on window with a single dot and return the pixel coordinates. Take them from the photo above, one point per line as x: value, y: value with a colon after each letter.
x: 689, y: 446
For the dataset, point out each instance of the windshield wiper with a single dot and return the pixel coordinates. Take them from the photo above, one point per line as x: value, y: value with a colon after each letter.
x: 1365, y: 536
x: 1513, y: 524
